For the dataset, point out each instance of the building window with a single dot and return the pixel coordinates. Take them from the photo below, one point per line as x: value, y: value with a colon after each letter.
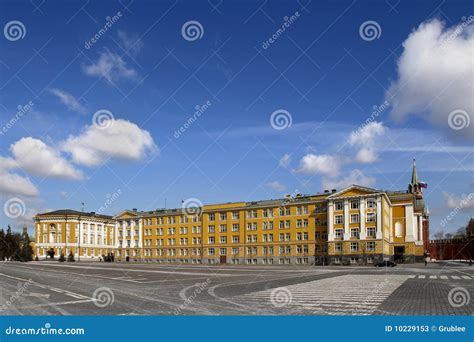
x: 211, y: 229
x: 235, y: 215
x: 354, y: 218
x: 338, y: 247
x: 354, y: 246
x: 211, y: 251
x: 371, y: 217
x: 355, y: 204
x: 370, y: 260
x: 223, y: 216
x: 371, y: 203
x: 339, y: 206
x: 354, y: 260
x: 371, y: 246
x: 223, y: 251
x: 355, y: 232
x: 338, y: 219
x: 223, y: 228
x: 235, y: 227
x: 339, y: 233
x: 235, y: 239
x: 371, y: 232
x: 337, y: 261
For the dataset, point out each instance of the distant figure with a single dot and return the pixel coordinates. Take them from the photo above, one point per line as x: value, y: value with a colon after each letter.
x: 470, y: 262
x: 426, y: 261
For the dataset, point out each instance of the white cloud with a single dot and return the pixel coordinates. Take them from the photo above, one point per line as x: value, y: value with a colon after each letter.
x: 367, y: 134
x: 435, y: 75
x: 366, y: 156
x: 121, y: 140
x: 35, y: 157
x: 14, y: 184
x: 285, y: 160
x: 459, y: 203
x: 325, y: 164
x: 131, y: 42
x: 364, y: 138
x: 355, y: 177
x: 68, y: 100
x: 277, y: 186
x: 110, y: 66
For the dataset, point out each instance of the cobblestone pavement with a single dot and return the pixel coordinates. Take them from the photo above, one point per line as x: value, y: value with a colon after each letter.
x: 52, y: 288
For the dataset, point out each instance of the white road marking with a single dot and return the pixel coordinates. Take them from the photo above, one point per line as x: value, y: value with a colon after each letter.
x: 55, y: 289
x: 465, y: 277
x: 347, y: 294
x: 443, y: 277
x: 421, y: 277
x: 455, y: 277
x: 412, y: 276
x: 433, y: 277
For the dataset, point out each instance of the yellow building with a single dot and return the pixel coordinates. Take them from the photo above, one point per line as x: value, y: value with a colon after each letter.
x: 356, y: 225
x: 87, y: 235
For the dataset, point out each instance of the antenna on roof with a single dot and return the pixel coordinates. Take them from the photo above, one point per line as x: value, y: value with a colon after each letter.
x: 82, y: 206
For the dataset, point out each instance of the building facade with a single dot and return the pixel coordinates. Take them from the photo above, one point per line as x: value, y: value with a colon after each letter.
x: 356, y: 225
x: 86, y: 235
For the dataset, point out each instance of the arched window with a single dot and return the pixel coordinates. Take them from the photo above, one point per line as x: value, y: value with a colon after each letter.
x: 52, y: 233
x: 398, y: 229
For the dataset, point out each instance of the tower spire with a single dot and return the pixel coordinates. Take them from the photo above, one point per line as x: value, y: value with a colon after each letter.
x: 414, y: 174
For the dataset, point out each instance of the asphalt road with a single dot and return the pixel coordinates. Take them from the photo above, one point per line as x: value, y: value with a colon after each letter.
x: 53, y: 288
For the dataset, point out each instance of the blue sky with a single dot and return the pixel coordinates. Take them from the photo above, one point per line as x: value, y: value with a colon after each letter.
x: 323, y: 73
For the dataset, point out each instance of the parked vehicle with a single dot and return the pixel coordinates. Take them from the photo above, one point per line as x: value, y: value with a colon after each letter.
x: 386, y: 263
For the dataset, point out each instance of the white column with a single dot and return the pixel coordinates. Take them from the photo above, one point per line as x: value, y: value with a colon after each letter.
x: 88, y: 233
x: 362, y: 218
x: 331, y: 221
x: 140, y: 233
x: 379, y: 218
x: 347, y: 233
x: 132, y: 227
x: 409, y: 223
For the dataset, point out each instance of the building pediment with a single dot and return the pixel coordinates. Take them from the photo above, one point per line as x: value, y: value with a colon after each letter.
x: 126, y: 214
x: 353, y: 191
